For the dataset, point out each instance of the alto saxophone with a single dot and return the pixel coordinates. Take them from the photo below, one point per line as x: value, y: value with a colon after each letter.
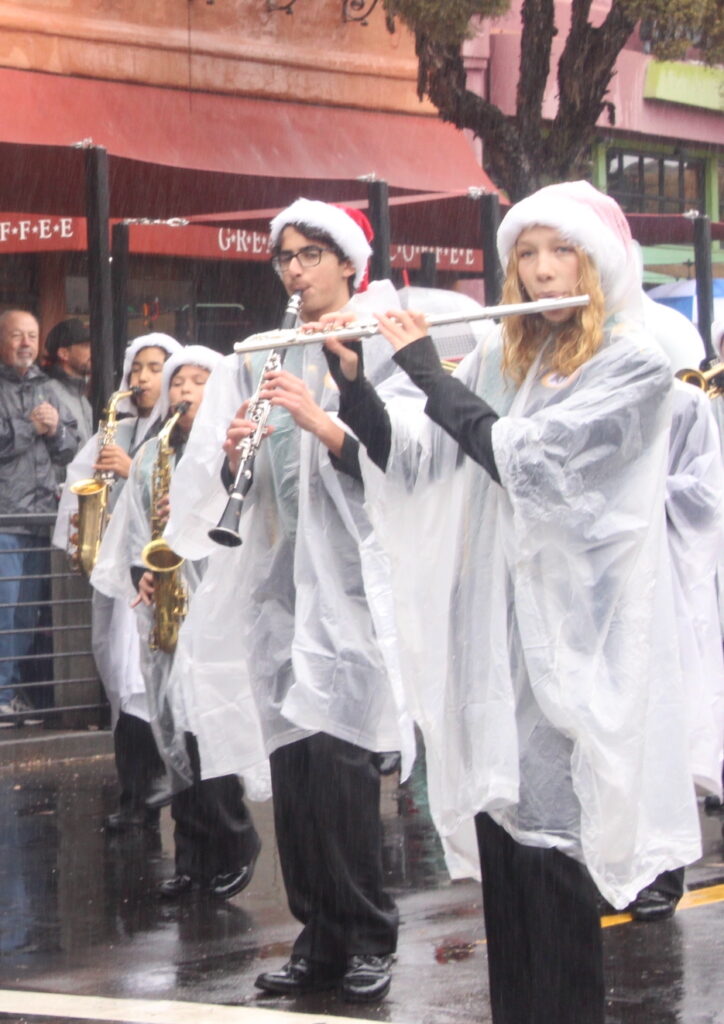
x: 170, y: 600
x: 92, y: 493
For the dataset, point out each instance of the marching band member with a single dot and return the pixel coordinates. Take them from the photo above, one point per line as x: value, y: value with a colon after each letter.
x: 140, y: 770
x: 695, y: 521
x: 307, y: 599
x: 551, y: 699
x: 216, y: 844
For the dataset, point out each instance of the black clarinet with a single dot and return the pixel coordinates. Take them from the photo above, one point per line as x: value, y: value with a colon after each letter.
x: 226, y: 531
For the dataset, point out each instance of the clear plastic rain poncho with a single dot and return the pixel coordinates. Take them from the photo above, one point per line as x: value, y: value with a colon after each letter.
x: 695, y: 518
x: 128, y: 534
x: 292, y: 633
x: 114, y: 632
x: 537, y: 618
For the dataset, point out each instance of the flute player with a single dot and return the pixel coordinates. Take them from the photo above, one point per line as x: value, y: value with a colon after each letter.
x: 551, y: 700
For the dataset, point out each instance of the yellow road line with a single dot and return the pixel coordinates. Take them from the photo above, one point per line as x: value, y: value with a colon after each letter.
x: 150, y: 1011
x: 696, y: 898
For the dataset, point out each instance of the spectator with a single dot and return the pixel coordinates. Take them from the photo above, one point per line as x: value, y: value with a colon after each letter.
x: 36, y: 435
x: 68, y: 364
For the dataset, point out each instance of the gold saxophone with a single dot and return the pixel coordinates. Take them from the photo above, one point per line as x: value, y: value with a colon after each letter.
x: 170, y: 601
x: 92, y: 493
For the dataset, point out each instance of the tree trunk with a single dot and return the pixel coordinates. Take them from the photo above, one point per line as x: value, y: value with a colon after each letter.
x: 524, y: 152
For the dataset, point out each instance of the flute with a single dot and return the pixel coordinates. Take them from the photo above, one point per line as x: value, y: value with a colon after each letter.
x: 283, y: 339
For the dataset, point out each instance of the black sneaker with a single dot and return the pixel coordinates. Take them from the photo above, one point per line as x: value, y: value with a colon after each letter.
x: 367, y: 978
x: 298, y: 976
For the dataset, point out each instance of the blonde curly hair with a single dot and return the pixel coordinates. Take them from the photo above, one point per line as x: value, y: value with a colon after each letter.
x: 575, y: 341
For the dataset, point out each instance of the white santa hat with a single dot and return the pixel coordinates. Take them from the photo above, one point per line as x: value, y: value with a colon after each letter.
x: 190, y: 355
x: 589, y: 219
x: 349, y: 229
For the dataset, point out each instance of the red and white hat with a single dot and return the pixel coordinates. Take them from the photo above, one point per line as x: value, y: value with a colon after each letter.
x: 350, y: 229
x: 589, y: 219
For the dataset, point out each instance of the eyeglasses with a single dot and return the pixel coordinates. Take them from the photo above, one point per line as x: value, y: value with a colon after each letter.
x: 308, y: 256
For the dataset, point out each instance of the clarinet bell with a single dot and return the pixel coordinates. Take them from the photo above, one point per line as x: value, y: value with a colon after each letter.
x: 226, y: 531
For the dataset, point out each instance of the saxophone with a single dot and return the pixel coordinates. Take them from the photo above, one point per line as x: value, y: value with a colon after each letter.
x: 170, y: 601
x: 93, y: 492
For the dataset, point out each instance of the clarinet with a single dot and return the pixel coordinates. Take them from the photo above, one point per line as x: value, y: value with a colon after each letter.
x: 226, y: 532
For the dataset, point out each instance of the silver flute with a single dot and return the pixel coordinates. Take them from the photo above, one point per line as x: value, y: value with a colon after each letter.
x: 283, y: 339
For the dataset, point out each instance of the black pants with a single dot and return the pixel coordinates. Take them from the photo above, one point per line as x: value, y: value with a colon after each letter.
x: 214, y: 833
x: 138, y: 762
x: 327, y: 817
x: 545, y: 952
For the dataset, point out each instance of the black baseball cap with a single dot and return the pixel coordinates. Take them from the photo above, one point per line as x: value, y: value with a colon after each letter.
x: 69, y: 332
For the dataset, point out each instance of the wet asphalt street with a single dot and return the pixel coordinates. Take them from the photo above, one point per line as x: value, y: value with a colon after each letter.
x: 83, y: 936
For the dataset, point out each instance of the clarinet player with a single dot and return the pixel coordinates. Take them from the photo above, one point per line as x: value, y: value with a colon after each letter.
x: 308, y: 611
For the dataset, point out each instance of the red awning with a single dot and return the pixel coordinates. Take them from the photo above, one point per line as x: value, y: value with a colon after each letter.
x: 453, y: 219
x: 425, y: 219
x: 667, y: 228
x: 174, y: 152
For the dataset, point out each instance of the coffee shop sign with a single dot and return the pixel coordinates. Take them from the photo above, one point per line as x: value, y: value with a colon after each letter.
x: 32, y: 230
x: 256, y: 244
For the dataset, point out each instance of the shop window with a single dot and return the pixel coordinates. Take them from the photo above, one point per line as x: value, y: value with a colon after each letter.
x: 651, y: 183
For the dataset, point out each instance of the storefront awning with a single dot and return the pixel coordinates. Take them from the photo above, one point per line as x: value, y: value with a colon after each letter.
x: 174, y: 152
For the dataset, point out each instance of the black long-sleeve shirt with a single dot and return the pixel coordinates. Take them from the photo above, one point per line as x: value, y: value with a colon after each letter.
x: 452, y: 405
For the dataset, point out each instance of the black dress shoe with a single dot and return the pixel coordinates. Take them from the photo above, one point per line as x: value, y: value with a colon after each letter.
x: 367, y: 978
x: 297, y: 977
x: 228, y: 885
x: 652, y: 905
x: 176, y: 886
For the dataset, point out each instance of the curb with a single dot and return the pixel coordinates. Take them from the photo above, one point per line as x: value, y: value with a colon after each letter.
x: 48, y: 748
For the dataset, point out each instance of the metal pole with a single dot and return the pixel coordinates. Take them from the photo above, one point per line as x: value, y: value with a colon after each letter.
x: 704, y: 283
x: 119, y: 277
x: 378, y: 199
x: 428, y: 269
x: 489, y: 223
x: 99, y: 276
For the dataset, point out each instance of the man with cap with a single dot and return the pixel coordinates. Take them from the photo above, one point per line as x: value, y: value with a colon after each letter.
x: 308, y: 607
x: 68, y: 364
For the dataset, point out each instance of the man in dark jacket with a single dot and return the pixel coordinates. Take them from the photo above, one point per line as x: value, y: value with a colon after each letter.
x: 36, y: 434
x: 68, y: 364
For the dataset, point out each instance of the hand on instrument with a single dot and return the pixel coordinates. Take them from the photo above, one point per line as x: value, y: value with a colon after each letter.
x: 239, y: 428
x: 343, y: 358
x: 45, y: 419
x: 114, y: 459
x: 401, y: 327
x: 145, y: 590
x: 284, y: 389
